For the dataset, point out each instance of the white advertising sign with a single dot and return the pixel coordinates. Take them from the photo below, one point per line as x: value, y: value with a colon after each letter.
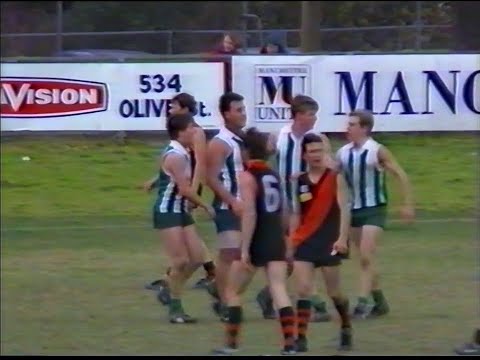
x: 96, y: 96
x: 405, y: 92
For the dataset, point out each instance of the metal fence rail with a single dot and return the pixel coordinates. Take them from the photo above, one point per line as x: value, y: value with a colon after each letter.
x: 388, y: 38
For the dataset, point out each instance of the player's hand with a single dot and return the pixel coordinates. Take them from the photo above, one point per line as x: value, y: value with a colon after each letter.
x: 148, y: 185
x: 245, y: 259
x: 407, y: 213
x: 340, y: 247
x: 326, y: 143
x: 237, y: 208
x: 330, y: 162
x: 289, y: 253
x: 210, y: 211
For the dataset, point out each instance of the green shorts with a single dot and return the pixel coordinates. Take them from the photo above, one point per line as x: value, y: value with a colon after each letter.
x: 226, y: 220
x: 169, y: 220
x: 376, y: 216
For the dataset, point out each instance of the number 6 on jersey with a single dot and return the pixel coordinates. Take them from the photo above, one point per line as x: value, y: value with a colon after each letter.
x: 271, y: 190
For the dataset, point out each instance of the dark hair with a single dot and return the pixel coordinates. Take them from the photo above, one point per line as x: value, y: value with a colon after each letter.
x: 226, y: 99
x: 309, y: 139
x: 365, y: 118
x: 256, y: 144
x: 303, y: 103
x: 186, y: 101
x: 177, y: 123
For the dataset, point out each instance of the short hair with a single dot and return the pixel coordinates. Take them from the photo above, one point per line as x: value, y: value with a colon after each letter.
x: 365, y: 118
x: 186, y: 101
x: 310, y: 138
x: 177, y: 123
x: 226, y: 99
x: 256, y: 144
x: 303, y: 103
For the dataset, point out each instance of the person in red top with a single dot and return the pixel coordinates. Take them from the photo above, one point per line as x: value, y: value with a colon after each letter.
x: 320, y: 238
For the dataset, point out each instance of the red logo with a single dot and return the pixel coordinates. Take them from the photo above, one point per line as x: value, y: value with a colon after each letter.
x: 23, y: 97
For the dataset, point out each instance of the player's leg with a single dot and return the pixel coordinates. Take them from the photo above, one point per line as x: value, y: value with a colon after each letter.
x: 331, y: 276
x: 374, y: 233
x: 276, y: 272
x: 361, y: 309
x: 195, y: 247
x: 239, y: 278
x: 319, y: 306
x: 173, y: 240
x: 369, y: 277
x: 304, y: 277
x: 229, y: 250
x: 471, y: 348
x: 208, y: 264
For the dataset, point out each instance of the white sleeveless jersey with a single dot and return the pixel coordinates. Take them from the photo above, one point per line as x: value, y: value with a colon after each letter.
x: 364, y: 174
x: 233, y: 165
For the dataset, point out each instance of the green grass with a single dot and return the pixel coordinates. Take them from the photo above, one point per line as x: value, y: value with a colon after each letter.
x: 77, y: 247
x: 97, y: 177
x: 80, y: 291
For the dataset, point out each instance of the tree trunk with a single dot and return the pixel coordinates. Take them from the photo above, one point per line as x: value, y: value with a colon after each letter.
x: 467, y: 27
x: 311, y: 22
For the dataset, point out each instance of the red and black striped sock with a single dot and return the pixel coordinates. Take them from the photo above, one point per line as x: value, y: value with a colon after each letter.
x: 287, y: 321
x: 304, y: 309
x: 233, y: 326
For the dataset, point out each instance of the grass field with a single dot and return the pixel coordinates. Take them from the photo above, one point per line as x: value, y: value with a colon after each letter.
x: 77, y: 247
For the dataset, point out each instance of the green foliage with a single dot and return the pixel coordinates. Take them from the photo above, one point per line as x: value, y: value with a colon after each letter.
x: 94, y: 16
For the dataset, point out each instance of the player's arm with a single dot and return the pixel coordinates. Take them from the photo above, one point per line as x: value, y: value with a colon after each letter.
x: 293, y: 220
x: 217, y: 153
x: 150, y: 184
x: 338, y: 160
x: 330, y: 159
x: 343, y: 203
x: 294, y: 216
x: 200, y: 149
x: 388, y: 161
x: 248, y: 192
x: 176, y: 164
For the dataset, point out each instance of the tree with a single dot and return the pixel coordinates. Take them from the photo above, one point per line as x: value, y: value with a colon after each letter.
x: 467, y: 28
x: 311, y: 22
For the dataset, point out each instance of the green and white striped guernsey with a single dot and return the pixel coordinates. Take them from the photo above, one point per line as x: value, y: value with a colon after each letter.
x: 168, y: 198
x: 232, y: 166
x: 364, y: 174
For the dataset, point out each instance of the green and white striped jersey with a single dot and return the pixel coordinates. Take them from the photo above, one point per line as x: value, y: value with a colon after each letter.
x: 168, y: 199
x: 232, y: 166
x: 364, y: 174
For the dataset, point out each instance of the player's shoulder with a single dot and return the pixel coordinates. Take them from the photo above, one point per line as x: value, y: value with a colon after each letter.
x: 284, y: 130
x: 218, y: 142
x: 345, y: 147
x: 374, y: 143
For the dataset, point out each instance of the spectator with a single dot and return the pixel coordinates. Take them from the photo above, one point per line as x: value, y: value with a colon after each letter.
x: 274, y: 45
x: 229, y: 45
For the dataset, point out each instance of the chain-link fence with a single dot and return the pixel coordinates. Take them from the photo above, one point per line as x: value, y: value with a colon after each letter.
x: 386, y: 38
x: 45, y: 32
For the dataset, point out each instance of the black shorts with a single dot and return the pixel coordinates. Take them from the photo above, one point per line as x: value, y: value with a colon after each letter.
x: 263, y: 251
x: 306, y: 253
x: 318, y: 247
